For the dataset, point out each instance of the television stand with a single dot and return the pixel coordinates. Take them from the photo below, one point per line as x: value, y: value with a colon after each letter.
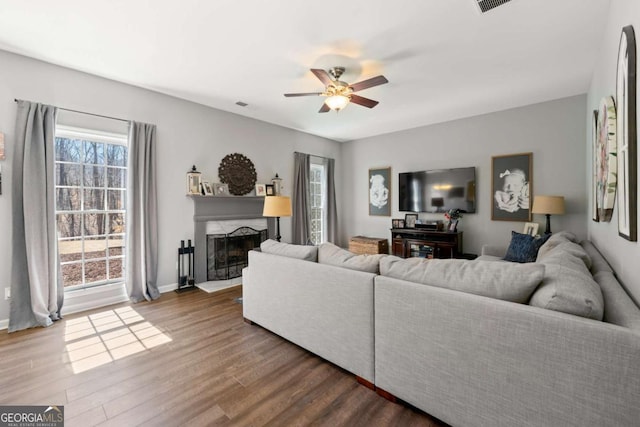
x: 413, y: 242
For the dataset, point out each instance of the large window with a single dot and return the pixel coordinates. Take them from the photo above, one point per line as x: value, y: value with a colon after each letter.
x: 90, y: 187
x: 318, y: 190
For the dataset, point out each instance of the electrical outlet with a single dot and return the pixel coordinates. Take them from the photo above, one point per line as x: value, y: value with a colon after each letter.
x: 7, y: 293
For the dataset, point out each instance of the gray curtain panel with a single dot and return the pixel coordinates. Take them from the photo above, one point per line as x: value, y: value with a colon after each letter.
x: 332, y: 212
x: 36, y: 283
x: 301, y: 207
x: 141, y: 271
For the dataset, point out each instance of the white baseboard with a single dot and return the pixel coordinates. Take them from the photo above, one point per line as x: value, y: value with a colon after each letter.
x: 168, y: 288
x: 90, y: 298
x: 4, y: 324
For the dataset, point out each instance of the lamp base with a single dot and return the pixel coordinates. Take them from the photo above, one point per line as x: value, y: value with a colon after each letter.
x: 278, y: 236
x: 548, y: 230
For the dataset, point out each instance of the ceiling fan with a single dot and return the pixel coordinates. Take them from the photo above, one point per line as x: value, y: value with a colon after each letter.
x: 339, y: 93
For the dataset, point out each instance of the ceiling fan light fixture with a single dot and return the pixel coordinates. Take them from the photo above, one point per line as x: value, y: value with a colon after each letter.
x: 337, y: 102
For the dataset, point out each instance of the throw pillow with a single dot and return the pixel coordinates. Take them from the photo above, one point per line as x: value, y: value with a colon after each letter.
x: 569, y: 291
x: 524, y: 248
x: 306, y: 253
x: 494, y: 279
x: 330, y: 254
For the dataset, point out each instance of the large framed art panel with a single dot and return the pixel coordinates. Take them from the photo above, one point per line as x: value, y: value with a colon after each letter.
x: 627, y: 137
x: 606, y: 159
x: 380, y: 192
x: 511, y: 183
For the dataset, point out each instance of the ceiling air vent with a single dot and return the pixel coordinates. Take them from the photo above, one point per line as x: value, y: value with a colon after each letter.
x: 487, y: 5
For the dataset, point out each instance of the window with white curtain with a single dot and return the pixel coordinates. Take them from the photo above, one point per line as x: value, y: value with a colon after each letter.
x: 90, y: 188
x: 318, y: 196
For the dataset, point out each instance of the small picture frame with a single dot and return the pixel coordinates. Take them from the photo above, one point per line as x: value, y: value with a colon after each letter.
x: 261, y: 190
x: 220, y: 189
x: 397, y: 223
x: 207, y: 190
x: 531, y: 228
x: 269, y: 190
x: 453, y: 225
x: 410, y: 220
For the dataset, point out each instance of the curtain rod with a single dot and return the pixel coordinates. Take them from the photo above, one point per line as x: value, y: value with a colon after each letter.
x: 313, y: 155
x: 89, y: 114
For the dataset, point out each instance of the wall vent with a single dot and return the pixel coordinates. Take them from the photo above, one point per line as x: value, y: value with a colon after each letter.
x: 487, y: 5
x: 242, y: 104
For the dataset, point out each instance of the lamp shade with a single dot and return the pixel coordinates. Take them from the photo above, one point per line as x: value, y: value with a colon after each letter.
x: 552, y: 205
x: 277, y: 206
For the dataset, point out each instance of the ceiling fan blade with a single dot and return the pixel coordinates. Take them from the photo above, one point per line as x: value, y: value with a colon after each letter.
x: 365, y: 102
x: 324, y: 109
x: 322, y: 75
x: 365, y: 84
x: 303, y: 94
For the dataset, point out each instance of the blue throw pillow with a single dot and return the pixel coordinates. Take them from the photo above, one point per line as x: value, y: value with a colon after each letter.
x: 524, y: 248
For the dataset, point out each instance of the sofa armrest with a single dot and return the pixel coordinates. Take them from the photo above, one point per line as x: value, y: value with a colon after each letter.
x: 494, y: 250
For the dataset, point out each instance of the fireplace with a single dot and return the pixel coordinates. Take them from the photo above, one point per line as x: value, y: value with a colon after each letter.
x: 230, y: 213
x: 227, y: 254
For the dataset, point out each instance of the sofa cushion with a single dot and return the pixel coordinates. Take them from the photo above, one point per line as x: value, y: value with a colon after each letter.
x: 568, y: 290
x: 306, y: 253
x: 524, y: 248
x: 328, y: 253
x: 568, y: 254
x: 555, y: 240
x: 500, y: 280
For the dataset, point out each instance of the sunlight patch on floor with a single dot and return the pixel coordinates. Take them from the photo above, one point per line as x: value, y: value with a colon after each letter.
x: 101, y: 338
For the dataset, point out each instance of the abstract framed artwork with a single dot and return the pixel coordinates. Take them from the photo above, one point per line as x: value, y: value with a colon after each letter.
x: 626, y: 135
x: 606, y: 159
x: 380, y: 192
x: 594, y: 169
x: 511, y: 184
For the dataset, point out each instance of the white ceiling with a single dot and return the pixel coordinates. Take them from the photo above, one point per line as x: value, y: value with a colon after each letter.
x: 443, y: 58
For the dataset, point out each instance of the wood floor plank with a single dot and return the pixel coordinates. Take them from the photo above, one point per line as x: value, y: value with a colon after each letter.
x: 185, y: 359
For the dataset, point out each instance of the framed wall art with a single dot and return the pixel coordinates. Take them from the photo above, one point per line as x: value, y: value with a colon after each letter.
x: 594, y: 170
x: 511, y: 184
x: 626, y: 135
x: 606, y: 159
x: 380, y: 192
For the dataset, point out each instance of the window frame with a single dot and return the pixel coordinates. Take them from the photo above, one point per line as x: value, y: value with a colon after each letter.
x: 106, y: 138
x: 321, y: 165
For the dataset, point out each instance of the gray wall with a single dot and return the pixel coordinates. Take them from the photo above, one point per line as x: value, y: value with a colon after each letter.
x: 187, y: 134
x: 621, y: 254
x: 553, y: 131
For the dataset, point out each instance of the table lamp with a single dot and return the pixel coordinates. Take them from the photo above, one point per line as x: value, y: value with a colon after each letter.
x: 548, y: 205
x: 275, y: 207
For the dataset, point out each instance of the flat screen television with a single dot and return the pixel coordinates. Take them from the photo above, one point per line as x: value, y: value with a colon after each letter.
x: 438, y: 190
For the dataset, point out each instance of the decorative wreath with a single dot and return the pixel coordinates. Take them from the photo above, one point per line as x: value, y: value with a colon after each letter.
x: 237, y: 171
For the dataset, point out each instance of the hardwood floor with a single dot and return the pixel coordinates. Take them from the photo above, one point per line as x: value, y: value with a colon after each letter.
x: 185, y: 359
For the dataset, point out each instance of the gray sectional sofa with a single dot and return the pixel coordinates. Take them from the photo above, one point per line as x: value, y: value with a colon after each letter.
x: 452, y: 338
